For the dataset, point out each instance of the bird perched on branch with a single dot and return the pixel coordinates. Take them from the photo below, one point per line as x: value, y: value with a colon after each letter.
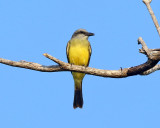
x: 79, y: 53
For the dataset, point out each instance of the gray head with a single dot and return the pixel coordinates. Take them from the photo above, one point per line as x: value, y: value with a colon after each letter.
x: 82, y: 33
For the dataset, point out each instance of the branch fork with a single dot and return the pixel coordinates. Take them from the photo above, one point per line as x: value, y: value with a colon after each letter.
x: 153, y: 54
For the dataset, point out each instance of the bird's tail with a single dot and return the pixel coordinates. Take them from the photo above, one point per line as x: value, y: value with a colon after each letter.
x: 78, y: 98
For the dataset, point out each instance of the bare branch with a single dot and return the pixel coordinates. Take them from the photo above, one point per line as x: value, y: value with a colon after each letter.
x: 147, y: 3
x: 153, y: 54
x: 155, y: 68
x: 144, y: 46
x: 31, y: 65
x: 62, y: 66
x: 143, y: 69
x: 54, y: 59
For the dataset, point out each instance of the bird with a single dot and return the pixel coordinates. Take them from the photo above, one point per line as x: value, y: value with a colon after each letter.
x: 78, y: 53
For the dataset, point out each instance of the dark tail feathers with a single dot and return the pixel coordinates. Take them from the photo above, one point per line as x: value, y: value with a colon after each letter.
x: 78, y: 99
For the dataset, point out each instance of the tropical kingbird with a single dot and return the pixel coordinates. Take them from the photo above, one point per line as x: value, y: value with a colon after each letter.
x: 78, y: 53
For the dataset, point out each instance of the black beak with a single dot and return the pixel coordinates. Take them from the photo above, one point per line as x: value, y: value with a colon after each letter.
x: 90, y: 34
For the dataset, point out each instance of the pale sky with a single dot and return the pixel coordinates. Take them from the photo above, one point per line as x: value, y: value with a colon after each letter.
x: 32, y: 99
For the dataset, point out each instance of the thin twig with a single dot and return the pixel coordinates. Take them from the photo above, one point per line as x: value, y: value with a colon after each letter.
x: 144, y: 46
x: 147, y: 3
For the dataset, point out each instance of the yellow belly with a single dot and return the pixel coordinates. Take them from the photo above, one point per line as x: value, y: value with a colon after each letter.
x: 79, y: 55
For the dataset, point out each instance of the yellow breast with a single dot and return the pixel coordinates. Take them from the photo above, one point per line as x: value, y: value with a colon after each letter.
x: 79, y: 52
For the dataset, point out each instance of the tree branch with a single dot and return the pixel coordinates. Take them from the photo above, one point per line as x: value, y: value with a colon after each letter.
x: 147, y: 3
x: 62, y: 66
x: 31, y: 65
x: 148, y: 67
x: 155, y: 68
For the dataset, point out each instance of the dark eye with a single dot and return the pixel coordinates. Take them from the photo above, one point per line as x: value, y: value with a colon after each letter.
x: 82, y: 32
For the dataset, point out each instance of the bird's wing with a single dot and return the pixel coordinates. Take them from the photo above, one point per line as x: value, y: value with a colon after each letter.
x: 67, y: 51
x: 90, y: 52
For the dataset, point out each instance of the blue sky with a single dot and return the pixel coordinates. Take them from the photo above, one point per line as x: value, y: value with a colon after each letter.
x: 32, y: 99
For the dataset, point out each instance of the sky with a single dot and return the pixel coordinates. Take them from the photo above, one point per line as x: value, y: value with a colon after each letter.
x: 32, y: 99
